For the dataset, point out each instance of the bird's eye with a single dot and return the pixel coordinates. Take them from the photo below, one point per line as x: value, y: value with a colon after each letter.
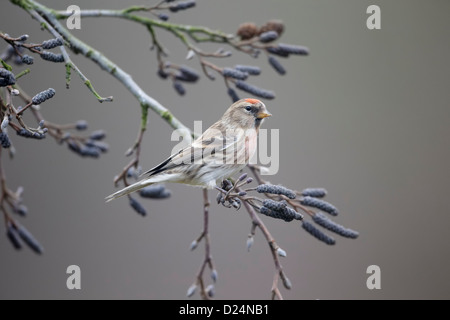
x: 248, y: 108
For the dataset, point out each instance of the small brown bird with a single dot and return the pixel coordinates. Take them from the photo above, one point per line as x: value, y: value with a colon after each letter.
x: 221, y: 151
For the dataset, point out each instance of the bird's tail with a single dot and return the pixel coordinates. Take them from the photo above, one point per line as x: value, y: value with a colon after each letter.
x: 132, y: 188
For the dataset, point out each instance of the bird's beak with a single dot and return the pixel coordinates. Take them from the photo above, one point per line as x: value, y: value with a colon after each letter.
x: 262, y: 115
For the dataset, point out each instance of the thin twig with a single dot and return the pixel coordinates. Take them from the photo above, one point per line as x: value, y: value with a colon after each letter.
x: 207, y: 258
x: 67, y: 60
x: 134, y: 162
x: 5, y: 194
x: 256, y: 220
x: 109, y: 66
x: 192, y: 31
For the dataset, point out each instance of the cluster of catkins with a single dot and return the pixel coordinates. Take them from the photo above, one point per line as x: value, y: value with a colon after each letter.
x: 254, y: 39
x: 86, y: 146
x: 15, y: 51
x: 266, y: 34
x: 16, y: 233
x: 310, y: 197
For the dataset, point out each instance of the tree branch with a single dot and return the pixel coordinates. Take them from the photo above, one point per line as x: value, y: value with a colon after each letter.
x: 107, y: 65
x: 206, y: 292
x: 256, y: 221
x: 192, y: 31
x: 67, y: 60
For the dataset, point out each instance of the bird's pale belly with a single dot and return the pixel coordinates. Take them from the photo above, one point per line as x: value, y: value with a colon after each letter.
x: 211, y: 175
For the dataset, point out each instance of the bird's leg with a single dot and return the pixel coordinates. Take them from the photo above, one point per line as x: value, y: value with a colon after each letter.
x: 223, y: 194
x: 242, y: 180
x: 227, y: 188
x: 231, y: 189
x: 228, y: 193
x: 220, y: 189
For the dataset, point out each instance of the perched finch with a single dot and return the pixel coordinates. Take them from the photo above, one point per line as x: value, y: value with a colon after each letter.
x: 221, y: 151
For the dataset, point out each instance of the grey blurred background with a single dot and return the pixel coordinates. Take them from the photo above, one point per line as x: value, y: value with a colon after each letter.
x: 366, y: 116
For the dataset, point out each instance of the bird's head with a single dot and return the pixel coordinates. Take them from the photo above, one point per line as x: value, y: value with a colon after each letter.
x: 247, y: 113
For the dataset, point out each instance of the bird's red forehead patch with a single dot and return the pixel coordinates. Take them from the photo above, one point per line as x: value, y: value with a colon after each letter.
x: 252, y: 101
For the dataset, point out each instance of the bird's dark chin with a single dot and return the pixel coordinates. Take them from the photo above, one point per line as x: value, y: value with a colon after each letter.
x: 258, y: 122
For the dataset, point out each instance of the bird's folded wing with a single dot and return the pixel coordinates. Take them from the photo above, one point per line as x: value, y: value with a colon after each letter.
x: 202, y: 150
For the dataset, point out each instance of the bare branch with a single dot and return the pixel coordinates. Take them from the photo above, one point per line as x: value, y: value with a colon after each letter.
x: 207, y: 259
x: 106, y: 64
x: 67, y: 60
